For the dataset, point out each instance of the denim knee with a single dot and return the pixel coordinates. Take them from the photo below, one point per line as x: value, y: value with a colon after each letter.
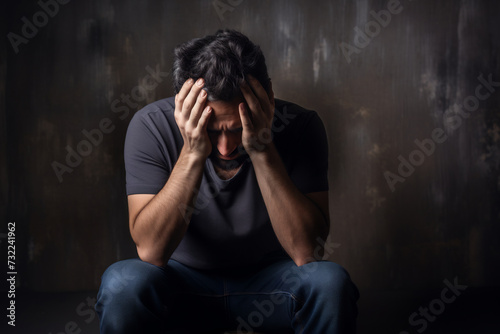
x: 123, y: 279
x: 325, y: 278
x: 326, y: 299
x: 126, y: 284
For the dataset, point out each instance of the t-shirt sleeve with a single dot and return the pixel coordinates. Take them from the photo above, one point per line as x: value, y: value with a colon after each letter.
x: 145, y: 165
x: 310, y: 167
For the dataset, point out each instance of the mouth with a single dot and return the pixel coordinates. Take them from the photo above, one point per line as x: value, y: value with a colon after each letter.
x: 231, y: 156
x: 228, y: 162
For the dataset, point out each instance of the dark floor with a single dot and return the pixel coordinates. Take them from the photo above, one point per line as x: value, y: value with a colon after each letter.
x: 475, y: 311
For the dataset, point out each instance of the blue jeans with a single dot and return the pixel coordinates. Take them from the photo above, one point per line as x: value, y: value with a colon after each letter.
x: 138, y: 297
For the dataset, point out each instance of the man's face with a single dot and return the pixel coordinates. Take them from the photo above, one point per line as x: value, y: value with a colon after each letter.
x: 225, y: 129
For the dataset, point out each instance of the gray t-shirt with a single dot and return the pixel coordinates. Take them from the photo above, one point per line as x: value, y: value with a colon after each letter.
x: 230, y: 226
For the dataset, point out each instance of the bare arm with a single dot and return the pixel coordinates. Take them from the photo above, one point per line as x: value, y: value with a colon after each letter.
x: 297, y: 219
x: 158, y: 222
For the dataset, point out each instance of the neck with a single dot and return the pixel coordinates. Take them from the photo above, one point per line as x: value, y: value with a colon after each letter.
x: 226, y: 174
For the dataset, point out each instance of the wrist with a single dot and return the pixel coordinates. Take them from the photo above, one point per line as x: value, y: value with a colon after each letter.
x: 192, y: 157
x: 264, y: 155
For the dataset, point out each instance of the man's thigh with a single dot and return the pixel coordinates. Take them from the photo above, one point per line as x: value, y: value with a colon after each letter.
x: 285, y: 298
x: 198, y: 300
x: 262, y: 302
x: 272, y: 299
x: 245, y: 300
x: 136, y: 294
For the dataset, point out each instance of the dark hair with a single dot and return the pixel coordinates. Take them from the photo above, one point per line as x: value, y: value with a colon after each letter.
x: 223, y: 60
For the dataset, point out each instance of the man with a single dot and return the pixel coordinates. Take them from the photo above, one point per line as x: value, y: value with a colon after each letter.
x: 228, y: 203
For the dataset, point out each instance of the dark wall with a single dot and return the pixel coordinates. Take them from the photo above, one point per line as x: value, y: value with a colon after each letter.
x: 396, y: 87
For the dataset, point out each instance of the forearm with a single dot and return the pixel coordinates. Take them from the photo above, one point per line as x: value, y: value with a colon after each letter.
x: 296, y: 220
x: 160, y: 226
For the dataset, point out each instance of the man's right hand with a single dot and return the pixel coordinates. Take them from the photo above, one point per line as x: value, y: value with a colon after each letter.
x: 191, y: 115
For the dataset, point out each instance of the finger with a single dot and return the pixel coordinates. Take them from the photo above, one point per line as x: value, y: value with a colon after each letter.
x: 191, y: 98
x: 246, y: 122
x: 250, y: 97
x: 180, y: 96
x: 266, y: 98
x: 183, y: 92
x: 205, y: 116
x: 198, y: 108
x: 256, y: 87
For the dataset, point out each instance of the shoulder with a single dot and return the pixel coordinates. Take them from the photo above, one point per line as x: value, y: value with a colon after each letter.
x: 158, y: 109
x: 291, y: 107
x: 156, y: 116
x: 155, y: 123
x: 289, y: 116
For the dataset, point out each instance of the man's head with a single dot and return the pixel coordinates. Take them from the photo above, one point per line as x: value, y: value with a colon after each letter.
x: 223, y: 60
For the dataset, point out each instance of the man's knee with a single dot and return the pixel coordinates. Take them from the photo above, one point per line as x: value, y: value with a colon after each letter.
x: 126, y: 280
x: 132, y: 297
x: 326, y: 277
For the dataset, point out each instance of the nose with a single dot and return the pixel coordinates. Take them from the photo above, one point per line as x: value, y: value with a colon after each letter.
x: 226, y: 144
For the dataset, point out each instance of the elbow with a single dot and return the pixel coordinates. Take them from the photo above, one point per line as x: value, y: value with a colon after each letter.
x: 300, y: 261
x: 149, y: 256
x: 310, y: 252
x: 308, y: 255
x: 147, y: 253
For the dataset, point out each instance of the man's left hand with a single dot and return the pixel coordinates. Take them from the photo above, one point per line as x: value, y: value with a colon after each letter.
x: 256, y: 115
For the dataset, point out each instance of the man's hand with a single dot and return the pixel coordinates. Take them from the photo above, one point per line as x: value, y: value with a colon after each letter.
x: 297, y: 219
x: 192, y: 117
x: 257, y: 121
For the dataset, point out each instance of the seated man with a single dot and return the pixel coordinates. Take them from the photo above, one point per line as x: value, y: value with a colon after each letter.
x: 228, y: 201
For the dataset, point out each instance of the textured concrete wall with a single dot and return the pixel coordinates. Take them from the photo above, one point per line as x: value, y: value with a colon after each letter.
x: 376, y: 95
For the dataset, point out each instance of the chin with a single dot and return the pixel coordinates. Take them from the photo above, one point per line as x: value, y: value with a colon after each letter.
x: 228, y: 164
